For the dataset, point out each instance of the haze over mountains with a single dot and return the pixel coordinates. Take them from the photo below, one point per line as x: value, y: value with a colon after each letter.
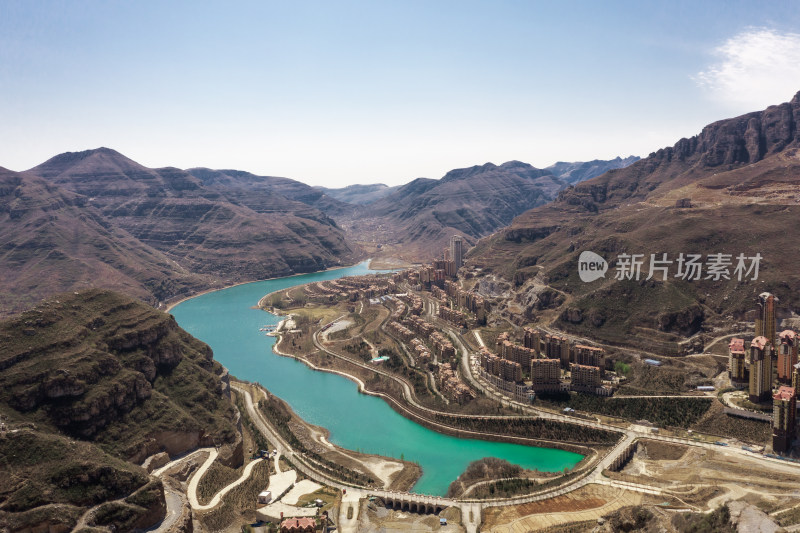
x: 741, y: 177
x: 418, y: 218
x: 360, y: 194
x: 99, y: 219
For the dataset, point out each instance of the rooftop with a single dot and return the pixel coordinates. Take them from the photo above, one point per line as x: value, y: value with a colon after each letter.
x: 298, y: 523
x: 759, y: 342
x: 784, y: 393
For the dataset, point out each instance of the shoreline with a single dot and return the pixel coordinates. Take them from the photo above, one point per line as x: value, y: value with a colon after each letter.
x: 171, y: 306
x: 324, y: 434
x: 587, y: 452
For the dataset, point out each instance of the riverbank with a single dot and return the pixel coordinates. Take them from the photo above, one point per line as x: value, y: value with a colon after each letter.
x: 171, y: 305
x: 373, y: 264
x: 340, y: 367
x: 227, y: 321
x: 393, y: 474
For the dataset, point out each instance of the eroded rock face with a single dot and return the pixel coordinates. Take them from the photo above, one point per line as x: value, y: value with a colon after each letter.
x: 572, y: 314
x: 686, y: 321
x: 223, y: 224
x: 98, y: 360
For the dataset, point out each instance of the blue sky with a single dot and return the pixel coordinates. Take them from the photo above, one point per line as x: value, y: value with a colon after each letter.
x: 334, y: 93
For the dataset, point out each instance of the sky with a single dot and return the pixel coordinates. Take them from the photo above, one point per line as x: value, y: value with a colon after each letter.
x: 337, y: 93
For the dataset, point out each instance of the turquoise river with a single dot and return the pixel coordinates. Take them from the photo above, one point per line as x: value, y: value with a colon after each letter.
x: 229, y: 323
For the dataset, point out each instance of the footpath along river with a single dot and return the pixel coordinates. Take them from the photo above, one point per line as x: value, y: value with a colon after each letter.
x: 226, y: 320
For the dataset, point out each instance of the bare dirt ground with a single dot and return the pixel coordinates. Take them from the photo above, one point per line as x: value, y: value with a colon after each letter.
x: 705, y: 479
x: 587, y: 503
x: 338, y: 326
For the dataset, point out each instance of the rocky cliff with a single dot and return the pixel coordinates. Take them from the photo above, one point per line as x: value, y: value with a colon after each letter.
x: 53, y: 240
x: 91, y: 383
x: 97, y: 218
x: 99, y: 366
x: 732, y: 189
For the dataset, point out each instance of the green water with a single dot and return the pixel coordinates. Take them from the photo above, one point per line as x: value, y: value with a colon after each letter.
x: 226, y: 321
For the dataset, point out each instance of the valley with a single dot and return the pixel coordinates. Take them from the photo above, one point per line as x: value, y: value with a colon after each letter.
x: 495, y: 386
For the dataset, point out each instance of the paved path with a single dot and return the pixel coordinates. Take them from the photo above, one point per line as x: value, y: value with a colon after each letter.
x: 158, y: 472
x: 281, y: 482
x: 350, y: 500
x: 173, y: 498
x: 191, y: 492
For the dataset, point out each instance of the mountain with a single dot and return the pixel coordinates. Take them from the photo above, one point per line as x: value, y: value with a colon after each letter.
x: 264, y: 194
x: 416, y: 220
x: 577, y: 172
x: 359, y: 194
x: 167, y: 223
x: 92, y: 383
x: 53, y: 240
x: 732, y: 189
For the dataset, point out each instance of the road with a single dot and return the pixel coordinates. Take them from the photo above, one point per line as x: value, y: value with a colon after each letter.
x: 408, y: 396
x: 592, y: 475
x: 217, y: 499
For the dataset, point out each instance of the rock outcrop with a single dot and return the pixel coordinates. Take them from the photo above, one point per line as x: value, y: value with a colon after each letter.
x: 98, y: 361
x: 731, y: 189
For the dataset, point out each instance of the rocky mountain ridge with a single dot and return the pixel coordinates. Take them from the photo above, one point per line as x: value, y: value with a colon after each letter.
x: 359, y: 194
x: 112, y: 381
x: 732, y: 189
x: 97, y: 218
x: 417, y: 219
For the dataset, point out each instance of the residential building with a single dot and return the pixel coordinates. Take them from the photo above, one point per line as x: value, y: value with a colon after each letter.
x: 457, y: 251
x: 503, y: 368
x: 588, y: 355
x: 787, y: 355
x: 760, y: 369
x: 736, y: 362
x: 765, y: 320
x: 585, y: 378
x: 546, y: 375
x: 531, y: 340
x: 514, y: 352
x: 784, y: 408
x: 299, y: 525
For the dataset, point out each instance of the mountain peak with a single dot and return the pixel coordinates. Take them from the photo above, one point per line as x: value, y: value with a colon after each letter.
x: 96, y: 158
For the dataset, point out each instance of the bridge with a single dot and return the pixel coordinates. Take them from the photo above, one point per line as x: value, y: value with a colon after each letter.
x: 415, y: 503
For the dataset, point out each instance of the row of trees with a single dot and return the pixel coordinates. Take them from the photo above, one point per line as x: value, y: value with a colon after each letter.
x: 534, y: 428
x: 279, y: 416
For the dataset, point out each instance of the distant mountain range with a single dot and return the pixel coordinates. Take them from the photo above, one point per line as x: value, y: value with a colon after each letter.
x: 732, y: 189
x: 98, y: 219
x: 360, y: 194
x: 573, y: 173
x: 416, y: 220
